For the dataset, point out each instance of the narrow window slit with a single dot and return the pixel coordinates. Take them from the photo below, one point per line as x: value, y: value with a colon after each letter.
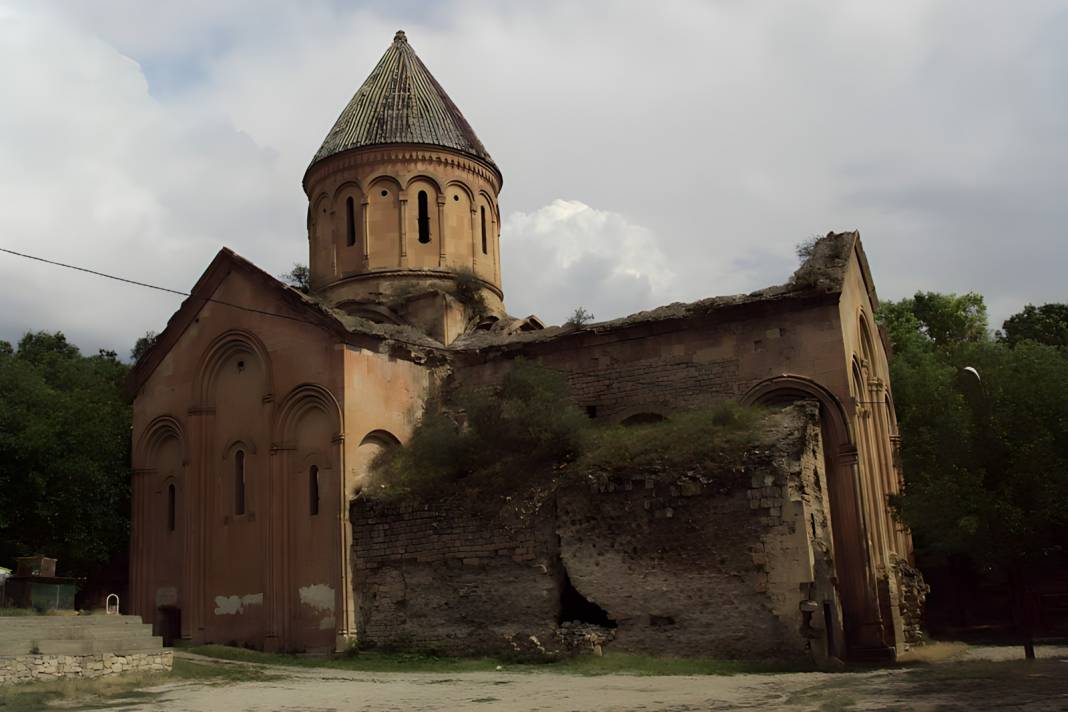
x: 483, y: 209
x: 313, y: 490
x: 350, y: 222
x: 239, y: 482
x: 171, y: 507
x: 424, y: 218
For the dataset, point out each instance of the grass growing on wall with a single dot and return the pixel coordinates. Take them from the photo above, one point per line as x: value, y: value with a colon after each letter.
x: 529, y: 431
x: 706, y: 439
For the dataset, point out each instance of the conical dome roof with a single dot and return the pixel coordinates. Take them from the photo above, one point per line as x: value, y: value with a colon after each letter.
x: 401, y: 102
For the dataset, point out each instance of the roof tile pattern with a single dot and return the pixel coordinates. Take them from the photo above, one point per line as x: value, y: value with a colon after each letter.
x: 401, y: 102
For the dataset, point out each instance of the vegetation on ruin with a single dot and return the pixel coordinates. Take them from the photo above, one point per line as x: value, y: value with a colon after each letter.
x: 702, y: 440
x: 528, y: 431
x: 985, y: 458
x: 485, y: 435
x: 64, y: 453
x: 299, y: 277
x: 467, y: 288
x: 579, y: 317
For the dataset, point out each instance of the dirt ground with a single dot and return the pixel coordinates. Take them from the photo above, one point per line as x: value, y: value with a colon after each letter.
x: 943, y: 679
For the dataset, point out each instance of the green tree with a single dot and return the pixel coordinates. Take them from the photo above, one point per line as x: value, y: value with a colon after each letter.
x: 64, y: 452
x: 985, y: 458
x: 1047, y: 324
x: 299, y: 277
x: 143, y: 344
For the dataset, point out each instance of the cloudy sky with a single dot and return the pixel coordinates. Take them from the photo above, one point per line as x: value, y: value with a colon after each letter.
x: 652, y: 152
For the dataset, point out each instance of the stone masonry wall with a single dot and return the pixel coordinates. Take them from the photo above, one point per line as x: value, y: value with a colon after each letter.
x: 455, y: 578
x: 733, y: 564
x: 716, y: 565
x: 32, y: 668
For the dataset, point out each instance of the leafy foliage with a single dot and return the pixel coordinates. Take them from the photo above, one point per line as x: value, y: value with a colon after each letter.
x: 468, y: 288
x: 1047, y: 324
x: 579, y: 317
x: 527, y: 426
x: 299, y: 277
x: 986, y: 459
x: 143, y: 345
x: 64, y: 452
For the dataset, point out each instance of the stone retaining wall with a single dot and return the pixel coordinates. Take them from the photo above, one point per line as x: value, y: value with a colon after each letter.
x: 35, y: 668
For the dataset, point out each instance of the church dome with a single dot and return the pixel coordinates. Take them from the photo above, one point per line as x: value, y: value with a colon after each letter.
x: 401, y: 102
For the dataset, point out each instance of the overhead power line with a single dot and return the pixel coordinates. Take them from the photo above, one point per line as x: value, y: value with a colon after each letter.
x: 152, y: 286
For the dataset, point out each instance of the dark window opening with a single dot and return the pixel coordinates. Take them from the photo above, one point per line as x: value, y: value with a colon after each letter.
x: 313, y: 490
x: 171, y: 507
x: 483, y: 209
x: 424, y: 218
x: 643, y: 419
x: 591, y: 411
x: 576, y: 607
x: 828, y: 625
x: 240, y: 366
x: 456, y: 198
x: 385, y: 193
x: 656, y: 621
x: 350, y: 222
x: 239, y: 482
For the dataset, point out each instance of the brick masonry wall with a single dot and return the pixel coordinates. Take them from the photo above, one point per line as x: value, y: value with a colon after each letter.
x: 670, y: 366
x: 733, y: 564
x: 35, y: 668
x: 455, y: 578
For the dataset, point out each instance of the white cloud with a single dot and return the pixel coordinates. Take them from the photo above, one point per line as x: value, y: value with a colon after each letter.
x: 567, y: 254
x: 139, y: 137
x: 94, y: 171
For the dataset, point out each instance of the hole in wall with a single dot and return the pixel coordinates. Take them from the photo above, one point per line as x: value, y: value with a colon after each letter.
x: 658, y: 621
x: 456, y: 198
x: 591, y: 411
x: 574, y: 607
x: 240, y: 365
x: 385, y: 193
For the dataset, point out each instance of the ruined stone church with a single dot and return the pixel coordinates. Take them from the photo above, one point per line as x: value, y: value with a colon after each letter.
x: 259, y: 408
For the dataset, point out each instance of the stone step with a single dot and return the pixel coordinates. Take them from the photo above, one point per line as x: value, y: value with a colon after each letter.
x: 98, y: 620
x: 77, y: 632
x: 118, y: 646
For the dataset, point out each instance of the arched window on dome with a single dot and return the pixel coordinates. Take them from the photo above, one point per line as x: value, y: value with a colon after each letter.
x: 424, y: 218
x: 350, y: 221
x: 483, y: 209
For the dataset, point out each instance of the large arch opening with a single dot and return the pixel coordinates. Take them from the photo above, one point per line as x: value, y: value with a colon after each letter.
x: 860, y: 617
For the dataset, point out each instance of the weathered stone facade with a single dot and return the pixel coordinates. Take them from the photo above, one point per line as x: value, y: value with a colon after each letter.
x: 735, y: 563
x: 35, y: 668
x: 254, y: 428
